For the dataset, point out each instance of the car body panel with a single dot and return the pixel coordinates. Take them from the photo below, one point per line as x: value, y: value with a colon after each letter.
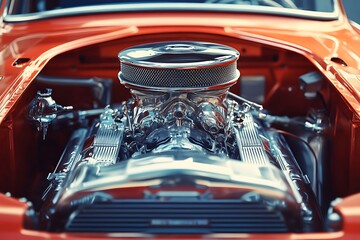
x: 52, y: 38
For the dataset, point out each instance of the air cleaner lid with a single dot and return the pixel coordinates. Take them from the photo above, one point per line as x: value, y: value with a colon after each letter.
x: 178, y: 66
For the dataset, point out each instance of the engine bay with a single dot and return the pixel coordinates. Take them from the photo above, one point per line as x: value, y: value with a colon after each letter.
x: 172, y: 150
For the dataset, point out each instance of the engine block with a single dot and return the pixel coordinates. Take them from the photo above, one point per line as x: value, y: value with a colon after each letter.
x: 181, y: 138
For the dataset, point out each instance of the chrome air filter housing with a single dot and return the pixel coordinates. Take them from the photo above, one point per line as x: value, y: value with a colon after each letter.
x: 179, y: 66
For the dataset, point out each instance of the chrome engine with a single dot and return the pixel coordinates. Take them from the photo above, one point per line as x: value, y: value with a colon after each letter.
x: 182, y: 156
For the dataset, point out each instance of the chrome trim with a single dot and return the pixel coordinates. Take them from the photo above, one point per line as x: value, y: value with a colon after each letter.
x: 69, y: 158
x: 106, y: 144
x: 250, y: 146
x: 294, y: 174
x: 355, y: 25
x: 190, y: 7
x: 167, y: 55
x: 180, y: 65
x: 179, y: 89
x: 214, y: 170
x: 108, y: 138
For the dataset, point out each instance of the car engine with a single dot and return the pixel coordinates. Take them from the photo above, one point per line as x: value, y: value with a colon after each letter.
x: 183, y: 155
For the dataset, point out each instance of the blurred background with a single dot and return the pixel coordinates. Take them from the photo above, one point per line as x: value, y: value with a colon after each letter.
x: 352, y: 8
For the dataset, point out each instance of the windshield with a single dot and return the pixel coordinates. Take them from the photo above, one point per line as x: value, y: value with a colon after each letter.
x: 315, y: 8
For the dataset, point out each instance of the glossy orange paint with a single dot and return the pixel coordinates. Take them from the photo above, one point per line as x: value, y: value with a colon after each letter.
x: 40, y: 41
x: 318, y: 41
